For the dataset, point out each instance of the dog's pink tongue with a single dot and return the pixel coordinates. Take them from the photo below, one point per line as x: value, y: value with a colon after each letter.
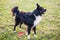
x: 20, y: 34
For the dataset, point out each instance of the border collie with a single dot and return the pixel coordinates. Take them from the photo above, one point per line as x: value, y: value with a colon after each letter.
x: 31, y: 19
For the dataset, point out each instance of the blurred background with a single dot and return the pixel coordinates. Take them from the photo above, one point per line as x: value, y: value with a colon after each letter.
x: 47, y: 29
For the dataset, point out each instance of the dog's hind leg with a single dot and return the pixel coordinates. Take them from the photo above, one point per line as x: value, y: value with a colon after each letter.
x: 20, y: 24
x: 34, y: 29
x: 16, y: 23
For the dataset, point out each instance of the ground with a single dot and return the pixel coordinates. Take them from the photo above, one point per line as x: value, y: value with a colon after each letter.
x: 47, y: 29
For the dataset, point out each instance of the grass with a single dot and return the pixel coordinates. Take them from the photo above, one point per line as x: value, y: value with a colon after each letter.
x: 48, y: 29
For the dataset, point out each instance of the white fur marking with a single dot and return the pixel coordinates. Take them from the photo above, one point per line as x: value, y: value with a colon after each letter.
x: 26, y: 33
x: 28, y: 36
x: 38, y: 19
x: 35, y: 35
x: 13, y: 17
x: 14, y: 31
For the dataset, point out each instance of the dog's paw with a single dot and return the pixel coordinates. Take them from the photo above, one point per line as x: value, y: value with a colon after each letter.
x: 35, y: 35
x: 28, y: 36
x: 13, y: 17
x: 26, y: 33
x: 14, y: 31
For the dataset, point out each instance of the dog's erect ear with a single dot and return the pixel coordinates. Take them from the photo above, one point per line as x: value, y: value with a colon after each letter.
x: 37, y: 5
x: 16, y: 7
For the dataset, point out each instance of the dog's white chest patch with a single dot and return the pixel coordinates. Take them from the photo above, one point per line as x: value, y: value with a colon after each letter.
x: 38, y: 19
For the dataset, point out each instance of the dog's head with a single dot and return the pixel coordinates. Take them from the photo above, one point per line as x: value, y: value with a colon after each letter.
x: 14, y: 10
x: 40, y: 9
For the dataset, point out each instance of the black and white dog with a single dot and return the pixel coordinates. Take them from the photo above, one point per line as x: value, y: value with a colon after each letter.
x: 31, y: 19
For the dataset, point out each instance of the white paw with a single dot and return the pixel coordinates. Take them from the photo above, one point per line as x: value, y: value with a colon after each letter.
x: 14, y: 31
x: 26, y: 33
x: 35, y: 35
x: 33, y: 32
x: 13, y: 17
x: 28, y: 36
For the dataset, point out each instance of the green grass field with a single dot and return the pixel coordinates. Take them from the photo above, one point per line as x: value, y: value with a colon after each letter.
x: 48, y: 29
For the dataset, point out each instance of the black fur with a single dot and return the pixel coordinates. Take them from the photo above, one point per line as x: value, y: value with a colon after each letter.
x: 27, y: 18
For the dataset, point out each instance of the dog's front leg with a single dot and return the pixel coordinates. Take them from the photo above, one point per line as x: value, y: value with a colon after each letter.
x: 34, y: 29
x: 29, y: 29
x: 16, y: 23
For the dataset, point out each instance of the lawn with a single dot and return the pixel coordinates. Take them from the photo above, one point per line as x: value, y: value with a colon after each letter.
x: 47, y: 29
